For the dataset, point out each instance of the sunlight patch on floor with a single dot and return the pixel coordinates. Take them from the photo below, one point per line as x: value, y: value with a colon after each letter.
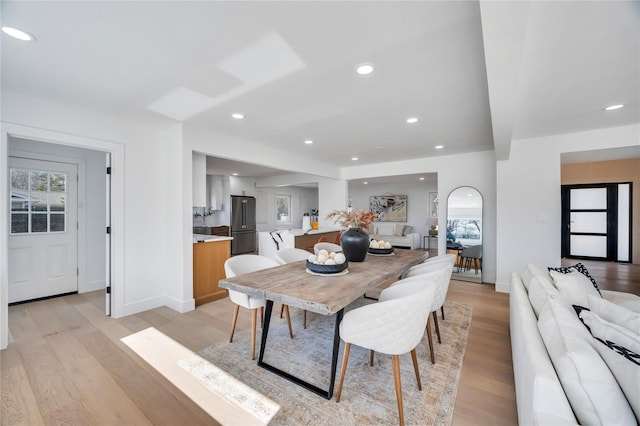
x: 226, y: 399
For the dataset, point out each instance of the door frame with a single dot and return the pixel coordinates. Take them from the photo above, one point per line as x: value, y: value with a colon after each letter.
x: 117, y: 152
x: 612, y: 225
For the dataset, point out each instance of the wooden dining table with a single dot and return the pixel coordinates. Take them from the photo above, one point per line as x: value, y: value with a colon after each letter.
x: 293, y: 285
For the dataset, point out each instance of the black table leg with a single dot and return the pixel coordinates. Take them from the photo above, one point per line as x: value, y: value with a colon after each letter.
x: 334, y: 358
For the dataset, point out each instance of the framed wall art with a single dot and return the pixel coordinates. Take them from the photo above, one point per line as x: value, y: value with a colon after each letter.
x: 389, y: 208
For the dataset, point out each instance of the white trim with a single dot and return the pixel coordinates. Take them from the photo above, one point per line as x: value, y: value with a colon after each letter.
x: 93, y: 286
x: 503, y: 287
x: 156, y: 302
x: 117, y: 151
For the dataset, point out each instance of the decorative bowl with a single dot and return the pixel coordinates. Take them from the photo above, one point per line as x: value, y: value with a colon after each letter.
x: 381, y: 250
x: 327, y: 269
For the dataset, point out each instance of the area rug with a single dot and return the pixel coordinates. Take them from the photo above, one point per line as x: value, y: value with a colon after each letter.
x: 368, y: 397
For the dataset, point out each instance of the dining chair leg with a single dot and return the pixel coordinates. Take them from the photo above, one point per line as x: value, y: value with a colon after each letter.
x: 371, y: 355
x: 343, y: 370
x: 414, y: 357
x: 281, y: 310
x: 435, y: 321
x: 442, y: 310
x: 430, y: 338
x: 233, y: 322
x: 254, y: 315
x: 396, y: 374
x: 286, y: 311
x: 262, y: 317
x: 304, y: 319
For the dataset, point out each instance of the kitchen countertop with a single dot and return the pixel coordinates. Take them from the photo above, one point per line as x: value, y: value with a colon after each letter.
x: 297, y: 232
x: 204, y: 238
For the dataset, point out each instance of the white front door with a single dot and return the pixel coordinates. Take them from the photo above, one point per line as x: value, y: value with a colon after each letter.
x: 43, y: 229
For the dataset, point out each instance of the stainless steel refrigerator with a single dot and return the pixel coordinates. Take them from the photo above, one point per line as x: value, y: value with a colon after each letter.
x: 243, y: 224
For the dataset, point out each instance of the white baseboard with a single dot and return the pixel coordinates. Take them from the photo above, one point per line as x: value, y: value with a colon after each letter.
x: 92, y: 286
x: 156, y: 302
x: 503, y: 287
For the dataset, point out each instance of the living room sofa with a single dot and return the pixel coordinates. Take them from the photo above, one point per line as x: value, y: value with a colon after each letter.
x: 540, y: 317
x: 399, y: 235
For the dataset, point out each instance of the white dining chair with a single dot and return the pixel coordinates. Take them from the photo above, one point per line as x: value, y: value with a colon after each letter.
x: 439, y: 276
x: 330, y: 247
x: 244, y: 264
x: 290, y: 255
x: 426, y: 266
x: 394, y: 326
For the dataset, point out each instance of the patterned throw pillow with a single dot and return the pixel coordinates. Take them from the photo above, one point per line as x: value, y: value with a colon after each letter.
x: 580, y: 268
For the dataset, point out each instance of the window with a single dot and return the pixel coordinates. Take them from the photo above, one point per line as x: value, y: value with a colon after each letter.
x: 283, y: 209
x: 37, y: 201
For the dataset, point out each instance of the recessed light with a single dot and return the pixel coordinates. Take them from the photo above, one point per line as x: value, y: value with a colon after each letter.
x: 439, y: 146
x: 354, y: 158
x: 421, y: 178
x: 19, y: 34
x: 365, y: 183
x: 364, y: 69
x: 308, y: 141
x: 412, y: 120
x: 612, y: 107
x: 235, y: 174
x: 237, y: 116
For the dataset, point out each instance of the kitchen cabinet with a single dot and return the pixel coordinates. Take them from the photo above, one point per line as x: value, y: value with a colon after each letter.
x: 214, y: 189
x: 199, y: 179
x: 307, y: 241
x: 208, y: 269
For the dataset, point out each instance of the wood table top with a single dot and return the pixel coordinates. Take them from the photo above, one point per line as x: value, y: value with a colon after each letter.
x: 290, y: 284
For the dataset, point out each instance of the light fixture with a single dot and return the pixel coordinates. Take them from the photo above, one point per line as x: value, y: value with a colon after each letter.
x: 439, y: 146
x: 235, y: 174
x: 308, y: 141
x: 19, y: 34
x: 421, y: 178
x: 354, y: 158
x: 364, y: 69
x: 412, y: 120
x: 365, y: 183
x: 613, y: 107
x: 237, y: 116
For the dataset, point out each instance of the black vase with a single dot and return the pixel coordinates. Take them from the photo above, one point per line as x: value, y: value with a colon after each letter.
x: 355, y: 244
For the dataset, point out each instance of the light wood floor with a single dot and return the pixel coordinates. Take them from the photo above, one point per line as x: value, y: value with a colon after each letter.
x: 66, y: 365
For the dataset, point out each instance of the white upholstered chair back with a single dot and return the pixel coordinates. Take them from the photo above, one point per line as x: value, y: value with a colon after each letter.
x: 245, y: 264
x: 394, y: 325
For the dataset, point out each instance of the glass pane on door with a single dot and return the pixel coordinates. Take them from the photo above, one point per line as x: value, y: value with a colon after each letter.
x: 591, y: 222
x: 589, y: 245
x: 589, y: 199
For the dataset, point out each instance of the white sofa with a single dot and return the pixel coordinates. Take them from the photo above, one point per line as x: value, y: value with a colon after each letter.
x: 391, y: 233
x: 540, y: 396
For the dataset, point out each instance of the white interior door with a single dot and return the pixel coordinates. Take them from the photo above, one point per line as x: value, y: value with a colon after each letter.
x: 43, y: 229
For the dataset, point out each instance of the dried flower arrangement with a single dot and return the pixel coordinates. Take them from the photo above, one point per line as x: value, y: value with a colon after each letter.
x: 353, y: 218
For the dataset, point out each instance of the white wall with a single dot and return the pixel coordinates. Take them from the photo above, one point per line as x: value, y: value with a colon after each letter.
x: 418, y: 211
x: 91, y: 206
x: 528, y: 196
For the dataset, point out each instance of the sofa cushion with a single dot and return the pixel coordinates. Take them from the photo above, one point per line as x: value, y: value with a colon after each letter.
x: 408, y: 229
x: 625, y: 367
x: 398, y: 230
x: 574, y: 287
x: 580, y: 268
x: 611, y: 332
x: 593, y: 392
x: 614, y: 313
x: 540, y: 291
x: 628, y: 300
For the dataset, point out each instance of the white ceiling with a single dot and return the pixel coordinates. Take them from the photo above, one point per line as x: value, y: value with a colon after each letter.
x: 475, y: 73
